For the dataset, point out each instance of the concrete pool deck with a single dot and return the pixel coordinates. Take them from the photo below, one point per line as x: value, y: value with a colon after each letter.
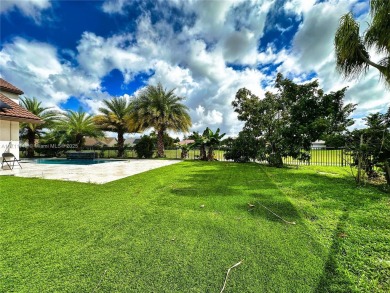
x: 97, y: 173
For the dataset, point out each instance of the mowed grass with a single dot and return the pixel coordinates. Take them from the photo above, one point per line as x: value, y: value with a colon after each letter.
x: 179, y: 228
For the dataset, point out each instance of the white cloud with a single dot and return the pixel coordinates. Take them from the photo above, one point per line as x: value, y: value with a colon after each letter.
x: 313, y: 51
x: 205, y: 118
x: 194, y: 59
x: 36, y: 68
x: 30, y: 8
x: 99, y: 56
x: 114, y: 6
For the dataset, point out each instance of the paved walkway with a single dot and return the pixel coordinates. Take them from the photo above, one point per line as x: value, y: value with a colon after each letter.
x: 97, y: 173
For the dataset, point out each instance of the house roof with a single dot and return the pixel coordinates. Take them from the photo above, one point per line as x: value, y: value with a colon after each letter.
x: 186, y: 141
x: 14, y: 112
x: 129, y: 141
x: 6, y: 86
x: 102, y: 141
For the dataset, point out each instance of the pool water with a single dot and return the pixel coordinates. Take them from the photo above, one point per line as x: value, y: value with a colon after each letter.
x: 73, y: 162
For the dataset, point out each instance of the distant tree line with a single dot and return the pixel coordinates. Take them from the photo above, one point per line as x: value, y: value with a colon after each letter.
x: 153, y: 108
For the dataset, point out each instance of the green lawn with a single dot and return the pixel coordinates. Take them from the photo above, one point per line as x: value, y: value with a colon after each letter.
x: 149, y: 233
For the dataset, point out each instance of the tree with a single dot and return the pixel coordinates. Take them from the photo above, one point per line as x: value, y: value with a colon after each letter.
x: 244, y: 148
x: 206, y: 143
x: 212, y: 140
x: 145, y: 147
x: 289, y: 120
x: 199, y: 142
x: 116, y: 118
x: 370, y: 147
x: 352, y: 57
x: 185, y: 148
x: 32, y: 131
x: 76, y: 125
x: 158, y: 108
x: 169, y: 142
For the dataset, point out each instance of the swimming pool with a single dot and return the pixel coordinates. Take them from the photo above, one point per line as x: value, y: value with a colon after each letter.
x: 73, y: 162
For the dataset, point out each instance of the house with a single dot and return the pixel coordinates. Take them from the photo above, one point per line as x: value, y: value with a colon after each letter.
x: 11, y: 114
x: 100, y: 142
x: 318, y: 144
x: 186, y: 141
x: 130, y: 142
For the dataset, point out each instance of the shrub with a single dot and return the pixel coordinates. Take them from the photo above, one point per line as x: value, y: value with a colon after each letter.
x: 244, y: 148
x: 145, y: 147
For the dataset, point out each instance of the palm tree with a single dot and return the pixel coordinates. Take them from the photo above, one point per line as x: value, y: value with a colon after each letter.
x: 77, y: 125
x: 352, y: 55
x: 199, y: 142
x: 32, y: 131
x: 116, y: 117
x: 161, y: 109
x: 213, y: 139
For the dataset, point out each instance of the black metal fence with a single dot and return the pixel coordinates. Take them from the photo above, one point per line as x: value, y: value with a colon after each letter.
x: 318, y: 156
x: 323, y: 157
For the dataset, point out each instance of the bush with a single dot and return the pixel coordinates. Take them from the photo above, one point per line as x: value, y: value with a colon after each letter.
x: 243, y: 149
x: 145, y: 147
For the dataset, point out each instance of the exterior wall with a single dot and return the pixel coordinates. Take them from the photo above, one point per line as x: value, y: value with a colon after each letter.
x: 12, y: 96
x: 9, y: 132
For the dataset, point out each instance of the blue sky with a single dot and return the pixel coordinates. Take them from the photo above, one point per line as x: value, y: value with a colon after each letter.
x: 77, y: 53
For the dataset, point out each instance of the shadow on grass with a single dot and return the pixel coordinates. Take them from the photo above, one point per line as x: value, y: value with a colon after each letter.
x: 332, y: 279
x: 264, y: 186
x: 356, y: 207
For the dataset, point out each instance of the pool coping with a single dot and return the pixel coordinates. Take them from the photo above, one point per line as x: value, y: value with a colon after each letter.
x: 93, y: 173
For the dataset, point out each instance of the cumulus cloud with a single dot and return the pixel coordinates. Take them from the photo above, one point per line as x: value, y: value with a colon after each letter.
x: 313, y: 52
x: 205, y: 118
x: 39, y: 71
x: 108, y: 54
x: 196, y: 54
x: 30, y: 8
x: 114, y: 6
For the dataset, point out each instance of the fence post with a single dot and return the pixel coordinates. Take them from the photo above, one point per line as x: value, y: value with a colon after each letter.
x: 342, y: 157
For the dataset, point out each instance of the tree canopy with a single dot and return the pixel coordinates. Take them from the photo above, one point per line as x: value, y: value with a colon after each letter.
x: 289, y: 120
x: 115, y: 117
x: 352, y: 56
x: 161, y: 109
x: 370, y: 146
x: 77, y: 124
x: 32, y: 131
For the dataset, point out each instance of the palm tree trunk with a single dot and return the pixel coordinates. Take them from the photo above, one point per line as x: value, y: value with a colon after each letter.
x: 120, y: 144
x: 31, y: 143
x: 184, y: 154
x: 79, y: 141
x: 210, y: 155
x: 160, y: 144
x: 202, y: 151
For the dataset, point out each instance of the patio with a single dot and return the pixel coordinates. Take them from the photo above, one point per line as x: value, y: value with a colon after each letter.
x: 98, y: 174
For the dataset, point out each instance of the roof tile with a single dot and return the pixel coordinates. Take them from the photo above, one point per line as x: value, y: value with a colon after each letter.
x: 6, y: 86
x: 16, y: 111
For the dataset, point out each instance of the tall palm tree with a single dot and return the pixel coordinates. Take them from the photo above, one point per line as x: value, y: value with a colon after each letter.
x: 32, y: 131
x: 352, y: 55
x: 78, y: 124
x: 157, y: 108
x: 116, y: 117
